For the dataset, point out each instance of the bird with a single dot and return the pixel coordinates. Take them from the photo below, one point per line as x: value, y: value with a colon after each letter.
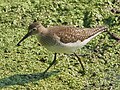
x: 62, y: 38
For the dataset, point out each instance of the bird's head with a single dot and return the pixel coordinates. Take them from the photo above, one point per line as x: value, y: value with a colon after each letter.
x: 33, y: 29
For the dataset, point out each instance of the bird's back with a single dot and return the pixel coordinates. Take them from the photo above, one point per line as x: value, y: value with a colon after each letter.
x: 68, y: 34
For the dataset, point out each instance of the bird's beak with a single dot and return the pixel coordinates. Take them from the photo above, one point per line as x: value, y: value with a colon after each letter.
x: 27, y: 35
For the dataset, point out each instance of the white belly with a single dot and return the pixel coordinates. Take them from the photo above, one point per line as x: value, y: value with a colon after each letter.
x: 65, y: 48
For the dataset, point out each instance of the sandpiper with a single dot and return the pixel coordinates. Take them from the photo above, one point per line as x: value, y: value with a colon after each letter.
x: 62, y: 39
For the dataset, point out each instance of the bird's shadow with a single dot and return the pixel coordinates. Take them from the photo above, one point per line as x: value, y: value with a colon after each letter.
x: 21, y: 79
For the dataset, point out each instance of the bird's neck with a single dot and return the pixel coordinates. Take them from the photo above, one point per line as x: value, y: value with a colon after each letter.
x: 43, y: 30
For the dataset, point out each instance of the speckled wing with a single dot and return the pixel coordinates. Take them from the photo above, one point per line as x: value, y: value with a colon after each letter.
x: 68, y: 34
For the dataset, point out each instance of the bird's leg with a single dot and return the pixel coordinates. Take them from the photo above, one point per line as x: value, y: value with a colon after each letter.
x: 54, y: 60
x: 80, y: 62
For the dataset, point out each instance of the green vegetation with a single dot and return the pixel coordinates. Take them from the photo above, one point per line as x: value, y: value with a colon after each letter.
x: 21, y: 67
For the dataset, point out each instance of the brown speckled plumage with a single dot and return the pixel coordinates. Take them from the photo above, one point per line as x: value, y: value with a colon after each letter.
x: 69, y: 34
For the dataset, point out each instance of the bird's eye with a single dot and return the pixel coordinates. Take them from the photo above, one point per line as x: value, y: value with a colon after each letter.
x: 34, y: 29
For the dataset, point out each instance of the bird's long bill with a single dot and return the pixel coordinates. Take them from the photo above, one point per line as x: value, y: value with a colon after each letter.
x: 27, y: 35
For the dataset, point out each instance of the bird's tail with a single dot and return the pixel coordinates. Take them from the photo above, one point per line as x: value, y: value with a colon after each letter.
x: 102, y: 28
